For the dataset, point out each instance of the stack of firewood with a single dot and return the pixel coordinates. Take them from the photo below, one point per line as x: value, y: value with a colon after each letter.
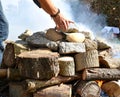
x: 57, y: 64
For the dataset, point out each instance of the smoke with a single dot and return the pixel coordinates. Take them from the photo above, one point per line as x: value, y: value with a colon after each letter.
x: 83, y: 15
x: 24, y: 14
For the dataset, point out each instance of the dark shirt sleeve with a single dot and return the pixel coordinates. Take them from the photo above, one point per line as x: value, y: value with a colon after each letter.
x: 37, y: 3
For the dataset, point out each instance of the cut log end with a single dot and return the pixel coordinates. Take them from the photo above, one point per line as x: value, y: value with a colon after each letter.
x: 88, y: 89
x: 112, y: 88
x: 38, y: 65
x: 67, y: 66
x: 86, y: 60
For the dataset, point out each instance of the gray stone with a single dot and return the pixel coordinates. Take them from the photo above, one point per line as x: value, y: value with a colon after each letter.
x: 26, y: 34
x: 52, y: 45
x: 71, y: 47
x: 38, y: 39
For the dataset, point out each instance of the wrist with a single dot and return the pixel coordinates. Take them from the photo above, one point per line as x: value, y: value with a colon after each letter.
x: 56, y: 14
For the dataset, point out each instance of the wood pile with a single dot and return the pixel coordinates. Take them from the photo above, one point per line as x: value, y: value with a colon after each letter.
x: 56, y: 64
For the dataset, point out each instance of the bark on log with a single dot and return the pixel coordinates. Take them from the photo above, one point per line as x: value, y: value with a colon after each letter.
x: 101, y: 74
x: 67, y: 66
x: 21, y: 46
x: 110, y: 62
x: 34, y: 85
x: 3, y: 73
x: 112, y: 88
x: 11, y: 74
x: 55, y: 91
x: 9, y: 56
x: 86, y: 60
x: 53, y: 35
x: 105, y: 53
x: 17, y: 90
x: 38, y: 64
x: 87, y: 89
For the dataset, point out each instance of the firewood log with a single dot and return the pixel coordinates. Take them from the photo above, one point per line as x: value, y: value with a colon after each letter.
x: 16, y: 89
x: 13, y: 74
x: 55, y: 91
x: 32, y: 85
x: 18, y: 46
x: 21, y: 46
x: 3, y: 73
x: 101, y: 74
x: 38, y: 65
x: 90, y: 44
x: 9, y: 55
x: 105, y: 53
x: 86, y: 60
x: 87, y: 89
x: 67, y: 66
x: 112, y: 88
x: 10, y: 73
x: 110, y: 62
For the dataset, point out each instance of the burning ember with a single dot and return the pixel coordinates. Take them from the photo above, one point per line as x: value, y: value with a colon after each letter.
x: 100, y: 82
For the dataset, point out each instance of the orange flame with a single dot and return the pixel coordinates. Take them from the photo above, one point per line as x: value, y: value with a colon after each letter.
x: 100, y: 82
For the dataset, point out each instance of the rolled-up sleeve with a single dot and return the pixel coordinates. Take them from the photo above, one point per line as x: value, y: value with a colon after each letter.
x: 37, y: 3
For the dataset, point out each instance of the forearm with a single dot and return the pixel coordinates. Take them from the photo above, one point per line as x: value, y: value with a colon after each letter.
x: 48, y: 6
x: 61, y: 22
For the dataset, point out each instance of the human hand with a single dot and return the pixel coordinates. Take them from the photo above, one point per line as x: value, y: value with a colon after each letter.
x: 61, y: 22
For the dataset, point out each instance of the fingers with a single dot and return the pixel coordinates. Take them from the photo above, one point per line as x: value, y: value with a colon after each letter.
x: 63, y: 26
x: 60, y: 28
x: 62, y: 23
x: 66, y: 25
x: 71, y: 22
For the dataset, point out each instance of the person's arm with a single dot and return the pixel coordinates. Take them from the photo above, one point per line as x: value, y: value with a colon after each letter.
x: 61, y: 22
x: 48, y: 6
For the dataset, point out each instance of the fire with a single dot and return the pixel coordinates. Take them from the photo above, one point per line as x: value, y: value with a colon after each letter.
x: 100, y: 82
